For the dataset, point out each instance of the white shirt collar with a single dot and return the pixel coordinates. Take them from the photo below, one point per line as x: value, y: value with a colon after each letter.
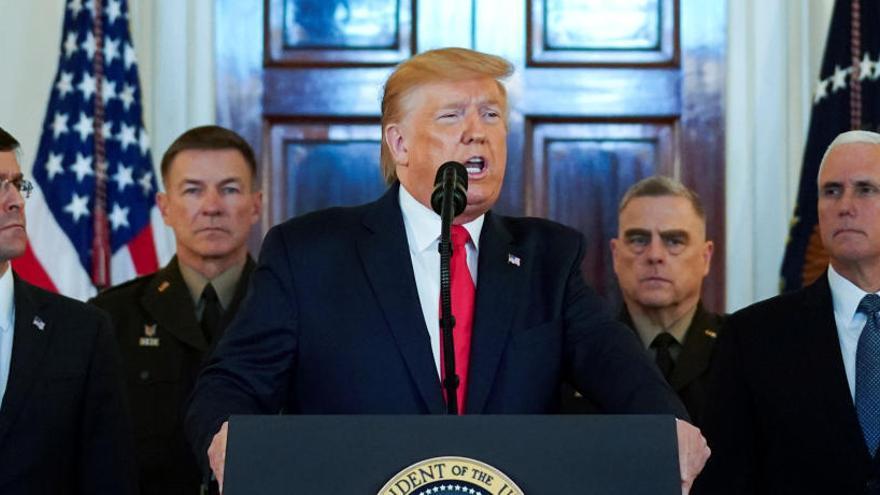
x: 845, y: 295
x: 7, y: 302
x: 425, y: 223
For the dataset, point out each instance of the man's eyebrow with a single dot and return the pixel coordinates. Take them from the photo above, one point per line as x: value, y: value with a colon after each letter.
x: 452, y: 105
x: 864, y: 182
x: 830, y: 183
x: 674, y: 232
x: 15, y: 176
x: 482, y: 102
x: 636, y: 231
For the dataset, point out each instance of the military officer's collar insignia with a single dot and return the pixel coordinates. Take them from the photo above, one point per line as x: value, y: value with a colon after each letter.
x: 149, y: 339
x: 39, y: 323
x: 710, y: 333
x: 164, y: 286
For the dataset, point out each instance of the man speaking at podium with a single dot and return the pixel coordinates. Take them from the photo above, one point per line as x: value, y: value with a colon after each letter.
x: 343, y: 309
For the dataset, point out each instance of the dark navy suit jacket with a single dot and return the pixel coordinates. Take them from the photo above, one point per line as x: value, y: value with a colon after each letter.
x: 332, y: 324
x: 64, y: 427
x: 780, y: 417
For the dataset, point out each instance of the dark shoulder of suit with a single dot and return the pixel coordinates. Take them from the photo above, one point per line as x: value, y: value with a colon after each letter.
x: 690, y: 379
x: 780, y: 418
x: 63, y: 423
x: 163, y: 349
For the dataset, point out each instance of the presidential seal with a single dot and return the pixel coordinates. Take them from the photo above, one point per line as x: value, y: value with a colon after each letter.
x: 450, y: 476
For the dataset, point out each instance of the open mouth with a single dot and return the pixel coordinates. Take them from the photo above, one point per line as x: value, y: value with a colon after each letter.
x: 475, y: 165
x: 847, y: 231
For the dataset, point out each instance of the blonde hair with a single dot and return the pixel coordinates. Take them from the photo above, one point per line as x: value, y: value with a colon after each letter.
x: 444, y: 64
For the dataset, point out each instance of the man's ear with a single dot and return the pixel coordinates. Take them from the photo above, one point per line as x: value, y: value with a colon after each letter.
x: 257, y: 206
x: 708, y: 249
x: 396, y: 143
x: 162, y: 203
x: 614, y: 244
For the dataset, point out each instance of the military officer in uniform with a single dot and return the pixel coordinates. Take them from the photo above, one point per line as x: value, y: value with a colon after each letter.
x: 167, y: 323
x: 661, y: 256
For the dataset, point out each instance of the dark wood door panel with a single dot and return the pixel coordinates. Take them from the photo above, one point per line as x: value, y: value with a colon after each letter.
x: 579, y: 172
x: 338, y: 32
x: 322, y: 92
x: 318, y: 165
x: 602, y: 33
x: 597, y: 92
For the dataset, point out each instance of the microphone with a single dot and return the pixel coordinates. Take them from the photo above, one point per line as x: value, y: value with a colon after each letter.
x: 448, y: 199
x: 451, y: 182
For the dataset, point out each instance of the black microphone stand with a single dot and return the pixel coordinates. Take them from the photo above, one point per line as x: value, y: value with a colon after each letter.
x: 447, y: 321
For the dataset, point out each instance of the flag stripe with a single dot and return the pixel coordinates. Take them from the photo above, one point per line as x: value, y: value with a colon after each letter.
x: 28, y: 268
x: 94, y: 178
x: 122, y: 266
x: 54, y: 251
x: 143, y: 251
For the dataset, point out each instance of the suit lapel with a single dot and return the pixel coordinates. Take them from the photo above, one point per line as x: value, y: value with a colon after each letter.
x: 385, y: 255
x: 28, y: 352
x: 167, y: 300
x: 819, y: 340
x: 694, y: 359
x: 499, y: 286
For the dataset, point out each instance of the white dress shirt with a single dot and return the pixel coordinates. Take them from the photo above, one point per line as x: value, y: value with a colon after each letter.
x: 846, y: 297
x: 423, y: 236
x: 7, y: 327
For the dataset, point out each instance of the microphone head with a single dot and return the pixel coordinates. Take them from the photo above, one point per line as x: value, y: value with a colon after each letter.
x: 451, y: 175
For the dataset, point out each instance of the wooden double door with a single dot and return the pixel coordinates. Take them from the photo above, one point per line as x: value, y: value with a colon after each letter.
x: 605, y: 93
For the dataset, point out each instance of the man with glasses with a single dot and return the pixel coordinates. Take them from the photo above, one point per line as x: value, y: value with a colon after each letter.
x: 661, y: 256
x: 63, y: 424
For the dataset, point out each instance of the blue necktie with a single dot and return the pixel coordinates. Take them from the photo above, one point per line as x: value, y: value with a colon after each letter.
x: 868, y: 373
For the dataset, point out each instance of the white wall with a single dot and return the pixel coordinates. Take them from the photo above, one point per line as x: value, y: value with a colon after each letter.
x: 775, y: 52
x: 173, y: 40
x: 775, y: 49
x: 30, y: 33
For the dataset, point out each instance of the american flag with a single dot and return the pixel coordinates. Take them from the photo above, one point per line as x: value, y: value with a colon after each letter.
x: 847, y: 96
x: 89, y: 216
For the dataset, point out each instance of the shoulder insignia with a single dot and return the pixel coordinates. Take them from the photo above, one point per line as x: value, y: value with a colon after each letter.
x: 124, y: 285
x: 710, y: 333
x: 164, y: 286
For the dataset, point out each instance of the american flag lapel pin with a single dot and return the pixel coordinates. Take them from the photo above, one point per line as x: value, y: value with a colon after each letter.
x: 39, y: 323
x: 513, y: 259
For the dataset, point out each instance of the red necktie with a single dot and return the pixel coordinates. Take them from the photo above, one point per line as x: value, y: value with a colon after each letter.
x: 462, y: 292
